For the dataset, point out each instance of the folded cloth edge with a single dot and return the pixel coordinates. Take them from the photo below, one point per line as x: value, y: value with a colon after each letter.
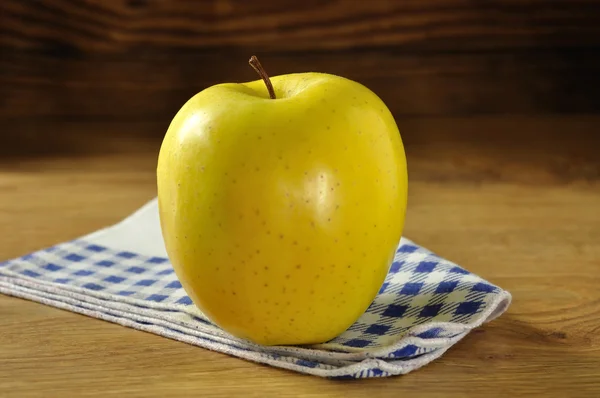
x: 11, y: 286
x: 55, y: 295
x: 355, y: 370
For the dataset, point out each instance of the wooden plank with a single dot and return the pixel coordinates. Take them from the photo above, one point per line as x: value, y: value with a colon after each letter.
x: 120, y: 26
x: 139, y: 86
x: 519, y: 209
x: 131, y: 59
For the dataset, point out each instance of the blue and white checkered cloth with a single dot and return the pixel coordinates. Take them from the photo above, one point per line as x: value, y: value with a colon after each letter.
x: 121, y: 274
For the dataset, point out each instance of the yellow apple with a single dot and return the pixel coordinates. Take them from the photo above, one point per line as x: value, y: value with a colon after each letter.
x: 281, y: 216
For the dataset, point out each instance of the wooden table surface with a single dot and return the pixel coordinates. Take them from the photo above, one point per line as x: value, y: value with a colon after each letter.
x: 514, y: 199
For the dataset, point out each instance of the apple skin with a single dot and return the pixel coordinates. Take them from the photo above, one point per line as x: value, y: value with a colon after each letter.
x: 281, y: 217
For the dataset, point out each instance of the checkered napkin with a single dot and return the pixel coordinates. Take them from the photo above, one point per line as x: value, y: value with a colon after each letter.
x: 121, y: 274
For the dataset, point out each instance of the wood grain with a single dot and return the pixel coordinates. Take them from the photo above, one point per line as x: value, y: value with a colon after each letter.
x: 155, y: 86
x: 117, y: 26
x: 519, y: 211
x: 141, y: 59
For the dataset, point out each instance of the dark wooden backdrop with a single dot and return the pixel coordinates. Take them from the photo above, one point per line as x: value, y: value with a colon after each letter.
x: 136, y: 60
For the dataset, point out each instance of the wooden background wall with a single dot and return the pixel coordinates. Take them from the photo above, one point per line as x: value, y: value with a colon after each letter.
x: 140, y: 60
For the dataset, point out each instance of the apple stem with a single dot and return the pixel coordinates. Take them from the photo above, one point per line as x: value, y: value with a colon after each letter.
x: 255, y: 64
